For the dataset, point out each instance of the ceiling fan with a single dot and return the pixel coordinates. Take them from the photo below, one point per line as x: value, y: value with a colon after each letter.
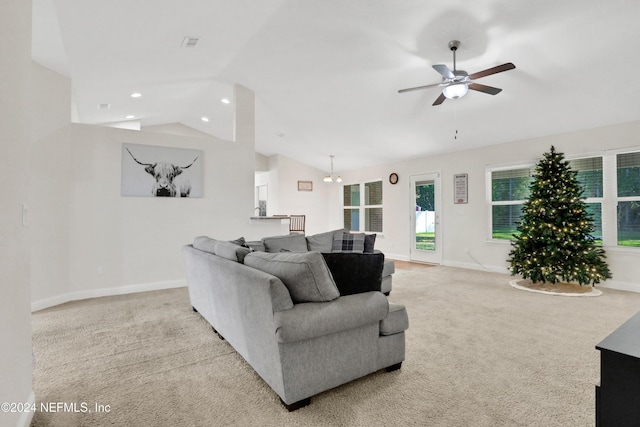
x: 456, y: 83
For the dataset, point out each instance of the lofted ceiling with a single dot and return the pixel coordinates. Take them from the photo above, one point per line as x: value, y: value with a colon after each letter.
x: 326, y: 73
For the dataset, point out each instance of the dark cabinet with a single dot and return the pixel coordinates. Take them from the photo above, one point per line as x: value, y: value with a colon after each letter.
x: 618, y: 395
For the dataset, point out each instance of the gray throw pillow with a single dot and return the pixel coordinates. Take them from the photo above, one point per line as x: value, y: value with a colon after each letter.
x: 348, y: 242
x: 305, y: 275
x: 291, y: 243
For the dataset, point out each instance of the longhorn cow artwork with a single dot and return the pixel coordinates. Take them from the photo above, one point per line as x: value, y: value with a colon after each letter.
x: 161, y: 171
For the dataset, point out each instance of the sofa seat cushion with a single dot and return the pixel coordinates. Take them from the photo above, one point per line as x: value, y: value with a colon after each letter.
x: 396, y: 321
x: 310, y: 320
x: 289, y: 243
x: 305, y: 274
x: 388, y: 268
x: 355, y: 273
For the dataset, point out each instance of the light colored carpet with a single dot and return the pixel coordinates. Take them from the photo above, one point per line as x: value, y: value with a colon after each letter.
x: 479, y: 353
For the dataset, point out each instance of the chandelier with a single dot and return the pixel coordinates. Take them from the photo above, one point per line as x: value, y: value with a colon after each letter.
x: 329, y: 177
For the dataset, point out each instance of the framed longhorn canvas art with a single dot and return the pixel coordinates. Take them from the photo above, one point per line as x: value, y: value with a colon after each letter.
x: 154, y: 171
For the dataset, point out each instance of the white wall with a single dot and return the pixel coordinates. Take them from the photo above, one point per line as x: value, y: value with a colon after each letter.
x: 465, y: 227
x: 120, y: 244
x: 49, y: 184
x: 285, y: 199
x: 15, y: 318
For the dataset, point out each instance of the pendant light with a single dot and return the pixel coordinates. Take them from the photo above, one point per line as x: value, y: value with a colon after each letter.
x: 329, y: 177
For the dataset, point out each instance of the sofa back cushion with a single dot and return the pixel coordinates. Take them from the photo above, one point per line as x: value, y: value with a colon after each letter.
x: 289, y: 243
x: 305, y: 275
x: 323, y: 242
x: 205, y: 244
x: 231, y: 251
x: 227, y: 250
x: 356, y: 273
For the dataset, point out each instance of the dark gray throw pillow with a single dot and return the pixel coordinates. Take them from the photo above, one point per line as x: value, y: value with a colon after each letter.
x: 355, y: 273
x: 369, y: 243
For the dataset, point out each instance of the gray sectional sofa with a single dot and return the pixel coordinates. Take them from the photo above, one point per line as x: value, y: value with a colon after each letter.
x: 285, y: 315
x: 324, y: 243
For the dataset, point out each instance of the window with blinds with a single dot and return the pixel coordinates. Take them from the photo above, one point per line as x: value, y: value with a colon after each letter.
x: 628, y: 198
x: 510, y: 189
x: 589, y: 173
x: 363, y: 213
x: 373, y: 206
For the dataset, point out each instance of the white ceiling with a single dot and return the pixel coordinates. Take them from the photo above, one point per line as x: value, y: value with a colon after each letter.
x: 326, y: 73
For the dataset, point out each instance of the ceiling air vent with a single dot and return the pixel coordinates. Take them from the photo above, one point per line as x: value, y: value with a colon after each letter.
x: 190, y: 41
x: 104, y: 106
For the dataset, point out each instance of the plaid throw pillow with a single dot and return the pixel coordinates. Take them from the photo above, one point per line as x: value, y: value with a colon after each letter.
x: 347, y: 242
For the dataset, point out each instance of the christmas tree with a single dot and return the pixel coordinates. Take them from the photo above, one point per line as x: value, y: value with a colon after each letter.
x: 555, y: 242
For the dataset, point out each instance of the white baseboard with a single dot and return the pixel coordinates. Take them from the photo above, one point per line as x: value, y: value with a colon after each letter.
x: 27, y: 416
x: 621, y: 286
x: 476, y: 266
x: 608, y: 284
x: 105, y: 292
x: 396, y: 257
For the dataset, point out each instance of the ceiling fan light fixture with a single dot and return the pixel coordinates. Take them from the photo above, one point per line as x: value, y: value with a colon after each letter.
x: 455, y: 91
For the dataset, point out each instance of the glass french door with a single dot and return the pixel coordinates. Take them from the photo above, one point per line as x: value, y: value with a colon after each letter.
x: 426, y: 233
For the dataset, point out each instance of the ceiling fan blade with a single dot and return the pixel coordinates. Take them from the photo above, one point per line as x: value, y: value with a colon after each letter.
x: 494, y: 70
x: 418, y: 88
x: 444, y: 70
x: 440, y: 99
x: 486, y: 89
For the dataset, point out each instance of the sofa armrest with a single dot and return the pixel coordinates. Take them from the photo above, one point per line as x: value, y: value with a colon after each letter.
x: 314, y: 319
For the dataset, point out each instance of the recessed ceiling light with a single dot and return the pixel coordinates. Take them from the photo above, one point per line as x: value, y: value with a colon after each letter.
x: 131, y: 116
x: 204, y: 119
x: 136, y: 95
x: 225, y: 101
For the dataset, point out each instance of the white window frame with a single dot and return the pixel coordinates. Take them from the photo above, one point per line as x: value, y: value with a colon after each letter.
x: 617, y: 199
x: 608, y: 202
x: 362, y: 207
x: 491, y: 203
